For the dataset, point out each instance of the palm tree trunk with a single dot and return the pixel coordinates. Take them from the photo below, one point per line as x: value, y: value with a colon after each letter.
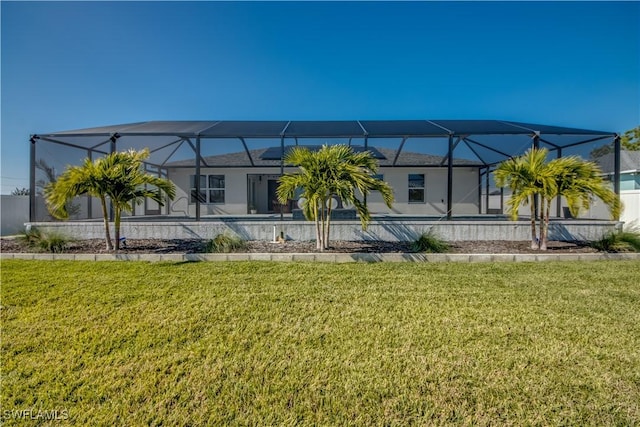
x: 543, y: 225
x: 545, y: 238
x: 323, y: 244
x: 117, y: 227
x: 534, y: 237
x: 318, y: 236
x: 326, y: 237
x: 105, y: 215
x: 318, y: 233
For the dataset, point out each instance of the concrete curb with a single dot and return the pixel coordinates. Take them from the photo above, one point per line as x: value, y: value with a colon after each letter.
x: 328, y: 257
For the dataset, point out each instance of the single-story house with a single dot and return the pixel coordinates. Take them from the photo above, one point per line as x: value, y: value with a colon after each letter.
x: 232, y: 184
x: 629, y: 182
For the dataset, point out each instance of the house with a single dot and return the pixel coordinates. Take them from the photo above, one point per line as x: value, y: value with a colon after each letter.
x: 629, y: 182
x: 236, y: 183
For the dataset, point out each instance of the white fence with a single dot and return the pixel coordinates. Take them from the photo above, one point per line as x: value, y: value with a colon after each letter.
x: 15, y: 212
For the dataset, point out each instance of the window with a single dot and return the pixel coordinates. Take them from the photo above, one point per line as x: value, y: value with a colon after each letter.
x: 211, y: 189
x: 195, y: 196
x: 416, y: 188
x: 216, y: 188
x: 629, y: 181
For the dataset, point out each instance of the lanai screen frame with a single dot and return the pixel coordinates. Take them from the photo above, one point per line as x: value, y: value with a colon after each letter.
x: 455, y: 132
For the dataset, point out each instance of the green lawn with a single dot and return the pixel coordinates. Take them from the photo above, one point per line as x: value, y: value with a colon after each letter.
x: 117, y: 343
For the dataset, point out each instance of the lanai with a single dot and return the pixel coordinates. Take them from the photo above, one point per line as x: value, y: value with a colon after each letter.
x: 486, y: 141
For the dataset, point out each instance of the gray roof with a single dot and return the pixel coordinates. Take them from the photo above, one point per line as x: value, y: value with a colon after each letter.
x: 629, y: 161
x: 241, y: 159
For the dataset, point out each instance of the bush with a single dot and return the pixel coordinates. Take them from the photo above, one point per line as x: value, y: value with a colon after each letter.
x: 225, y: 243
x: 45, y: 241
x: 622, y: 241
x: 429, y: 242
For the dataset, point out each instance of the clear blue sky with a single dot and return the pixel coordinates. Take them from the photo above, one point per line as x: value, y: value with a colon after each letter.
x: 69, y: 65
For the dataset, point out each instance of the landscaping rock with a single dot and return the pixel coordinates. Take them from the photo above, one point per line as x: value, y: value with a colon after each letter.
x: 188, y: 246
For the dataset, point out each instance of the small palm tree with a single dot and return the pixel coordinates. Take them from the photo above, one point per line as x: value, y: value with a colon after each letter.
x: 50, y: 176
x: 526, y: 176
x: 579, y: 182
x: 530, y: 176
x: 332, y: 171
x: 118, y: 177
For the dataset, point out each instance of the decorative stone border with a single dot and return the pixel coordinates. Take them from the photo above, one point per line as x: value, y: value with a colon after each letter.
x: 328, y: 257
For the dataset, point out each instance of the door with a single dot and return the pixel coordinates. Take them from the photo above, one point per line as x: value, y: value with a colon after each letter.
x: 272, y: 186
x: 253, y: 204
x: 151, y: 207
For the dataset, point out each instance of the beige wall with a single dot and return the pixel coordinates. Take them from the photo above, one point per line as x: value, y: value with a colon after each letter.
x: 236, y: 191
x: 465, y: 191
x: 598, y: 210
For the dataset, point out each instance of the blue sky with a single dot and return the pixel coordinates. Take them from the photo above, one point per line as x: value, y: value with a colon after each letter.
x: 69, y: 65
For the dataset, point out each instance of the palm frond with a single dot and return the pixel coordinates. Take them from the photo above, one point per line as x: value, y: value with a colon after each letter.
x: 119, y: 176
x: 334, y: 170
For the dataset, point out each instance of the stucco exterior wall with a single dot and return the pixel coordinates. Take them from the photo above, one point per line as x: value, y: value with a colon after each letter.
x: 465, y: 191
x: 631, y: 213
x: 236, y: 191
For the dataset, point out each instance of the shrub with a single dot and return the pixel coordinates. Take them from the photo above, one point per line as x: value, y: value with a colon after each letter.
x: 45, y: 241
x: 225, y: 243
x: 622, y: 241
x: 429, y: 242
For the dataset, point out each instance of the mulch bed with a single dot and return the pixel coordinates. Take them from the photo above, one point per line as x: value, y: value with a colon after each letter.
x: 180, y: 246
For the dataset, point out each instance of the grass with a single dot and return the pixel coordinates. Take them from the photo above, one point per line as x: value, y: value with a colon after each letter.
x: 619, y: 241
x: 225, y: 243
x: 45, y: 241
x: 328, y: 344
x: 429, y: 242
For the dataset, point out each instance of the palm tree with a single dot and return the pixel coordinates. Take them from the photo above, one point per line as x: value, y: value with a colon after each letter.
x: 75, y: 181
x: 579, y: 182
x: 530, y: 176
x: 332, y: 171
x: 51, y: 177
x: 119, y: 177
x: 526, y: 176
